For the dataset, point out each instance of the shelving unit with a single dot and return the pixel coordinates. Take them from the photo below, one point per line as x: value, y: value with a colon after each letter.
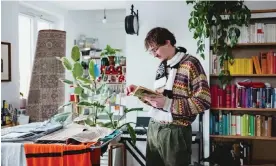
x: 247, y: 75
x: 243, y: 137
x: 246, y: 109
x: 259, y: 143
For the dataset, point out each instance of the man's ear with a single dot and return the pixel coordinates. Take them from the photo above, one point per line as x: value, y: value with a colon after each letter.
x: 168, y: 42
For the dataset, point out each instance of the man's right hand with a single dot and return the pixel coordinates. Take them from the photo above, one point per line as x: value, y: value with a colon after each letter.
x: 130, y: 89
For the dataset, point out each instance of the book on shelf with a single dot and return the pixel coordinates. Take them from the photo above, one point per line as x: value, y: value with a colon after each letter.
x: 254, y: 33
x: 240, y: 151
x: 234, y: 96
x: 264, y: 63
x: 229, y: 123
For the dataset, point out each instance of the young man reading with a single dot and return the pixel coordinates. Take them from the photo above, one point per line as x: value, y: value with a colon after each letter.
x: 186, y: 93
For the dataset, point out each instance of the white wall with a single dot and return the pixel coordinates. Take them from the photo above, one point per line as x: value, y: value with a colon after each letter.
x: 89, y: 23
x: 9, y: 33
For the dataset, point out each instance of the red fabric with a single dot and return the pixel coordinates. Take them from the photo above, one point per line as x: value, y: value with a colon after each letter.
x: 61, y: 155
x: 38, y: 149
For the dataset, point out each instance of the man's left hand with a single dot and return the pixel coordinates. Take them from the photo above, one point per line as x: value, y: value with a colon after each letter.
x: 157, y: 102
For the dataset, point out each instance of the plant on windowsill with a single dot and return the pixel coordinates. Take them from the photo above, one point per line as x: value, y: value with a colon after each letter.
x: 221, y: 18
x: 93, y: 93
x: 110, y: 53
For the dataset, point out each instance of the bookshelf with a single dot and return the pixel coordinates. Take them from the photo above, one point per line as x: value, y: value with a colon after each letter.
x: 234, y: 117
x: 244, y: 137
x: 247, y: 75
x: 245, y: 109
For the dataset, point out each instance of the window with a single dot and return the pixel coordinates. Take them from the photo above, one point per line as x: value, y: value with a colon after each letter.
x: 28, y: 28
x: 25, y: 24
x: 43, y: 24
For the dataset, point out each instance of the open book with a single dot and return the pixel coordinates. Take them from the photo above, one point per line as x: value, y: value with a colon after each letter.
x: 142, y: 92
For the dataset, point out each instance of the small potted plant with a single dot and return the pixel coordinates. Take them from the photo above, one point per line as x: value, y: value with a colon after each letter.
x: 110, y: 53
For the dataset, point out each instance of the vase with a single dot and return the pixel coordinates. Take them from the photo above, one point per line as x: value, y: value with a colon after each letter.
x: 111, y: 60
x: 104, y: 61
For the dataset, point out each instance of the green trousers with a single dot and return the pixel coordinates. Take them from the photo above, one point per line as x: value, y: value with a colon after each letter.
x: 168, y: 145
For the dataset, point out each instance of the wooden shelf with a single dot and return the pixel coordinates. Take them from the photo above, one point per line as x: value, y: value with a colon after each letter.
x: 247, y: 75
x: 243, y: 137
x: 246, y: 109
x: 263, y: 11
x: 256, y: 44
x: 252, y: 44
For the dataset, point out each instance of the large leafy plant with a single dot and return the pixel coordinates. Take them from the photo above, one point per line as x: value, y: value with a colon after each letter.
x: 93, y: 93
x: 223, y: 19
x: 89, y: 91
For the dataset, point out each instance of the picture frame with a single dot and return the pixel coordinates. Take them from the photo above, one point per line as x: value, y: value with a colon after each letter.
x: 5, y: 62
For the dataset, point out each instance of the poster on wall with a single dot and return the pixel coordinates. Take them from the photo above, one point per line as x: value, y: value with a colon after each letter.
x: 5, y: 61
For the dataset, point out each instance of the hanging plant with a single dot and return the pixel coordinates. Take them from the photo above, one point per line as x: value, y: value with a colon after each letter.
x: 220, y: 20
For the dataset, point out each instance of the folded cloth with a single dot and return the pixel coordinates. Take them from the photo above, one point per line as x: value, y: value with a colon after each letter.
x: 44, y: 154
x: 61, y: 154
x: 110, y: 136
x: 12, y: 154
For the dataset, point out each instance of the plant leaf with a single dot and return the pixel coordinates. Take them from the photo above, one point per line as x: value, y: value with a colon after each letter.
x: 131, y: 133
x: 85, y: 104
x: 78, y: 90
x: 89, y: 122
x: 65, y: 63
x: 77, y: 70
x: 83, y: 81
x: 91, y: 70
x: 69, y: 82
x: 108, y: 124
x: 64, y: 105
x: 75, y: 53
x: 126, y: 110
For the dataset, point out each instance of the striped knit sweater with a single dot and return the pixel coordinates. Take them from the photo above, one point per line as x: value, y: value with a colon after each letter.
x: 191, y: 92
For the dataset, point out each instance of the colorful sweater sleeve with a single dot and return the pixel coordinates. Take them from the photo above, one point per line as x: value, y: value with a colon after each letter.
x: 193, y: 80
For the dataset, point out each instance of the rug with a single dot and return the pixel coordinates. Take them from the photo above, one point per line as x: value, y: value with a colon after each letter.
x: 46, y: 92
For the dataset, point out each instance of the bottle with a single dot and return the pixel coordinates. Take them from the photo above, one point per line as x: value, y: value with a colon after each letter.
x: 7, y: 114
x: 3, y: 117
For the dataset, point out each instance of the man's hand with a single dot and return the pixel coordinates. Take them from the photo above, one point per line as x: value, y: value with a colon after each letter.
x: 130, y: 89
x: 157, y: 102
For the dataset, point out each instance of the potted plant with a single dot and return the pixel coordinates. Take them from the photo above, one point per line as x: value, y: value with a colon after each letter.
x: 110, y: 53
x: 92, y: 93
x: 221, y: 18
x: 85, y: 88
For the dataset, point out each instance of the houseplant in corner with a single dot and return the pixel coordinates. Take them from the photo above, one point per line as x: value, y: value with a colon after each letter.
x: 110, y: 53
x: 221, y: 18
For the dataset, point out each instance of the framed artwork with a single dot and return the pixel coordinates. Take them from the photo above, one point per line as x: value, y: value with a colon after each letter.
x: 5, y: 61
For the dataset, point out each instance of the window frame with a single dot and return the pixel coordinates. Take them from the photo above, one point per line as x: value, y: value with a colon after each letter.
x: 35, y: 16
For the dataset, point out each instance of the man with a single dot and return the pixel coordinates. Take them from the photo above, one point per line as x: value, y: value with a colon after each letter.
x: 182, y: 81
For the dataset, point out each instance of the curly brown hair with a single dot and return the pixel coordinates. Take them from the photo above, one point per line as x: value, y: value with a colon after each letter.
x: 158, y: 36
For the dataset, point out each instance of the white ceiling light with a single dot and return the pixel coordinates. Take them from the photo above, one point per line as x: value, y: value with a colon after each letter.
x: 104, y: 20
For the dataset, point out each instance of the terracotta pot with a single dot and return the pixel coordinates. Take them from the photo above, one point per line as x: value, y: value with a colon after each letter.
x: 111, y: 60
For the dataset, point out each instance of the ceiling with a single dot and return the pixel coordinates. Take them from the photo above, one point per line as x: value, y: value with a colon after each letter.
x: 89, y: 5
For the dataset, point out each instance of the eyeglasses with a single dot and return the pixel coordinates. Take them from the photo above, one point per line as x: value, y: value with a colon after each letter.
x: 153, y: 51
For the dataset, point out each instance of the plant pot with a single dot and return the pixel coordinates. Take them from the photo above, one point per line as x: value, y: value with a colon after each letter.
x: 111, y: 60
x: 104, y: 61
